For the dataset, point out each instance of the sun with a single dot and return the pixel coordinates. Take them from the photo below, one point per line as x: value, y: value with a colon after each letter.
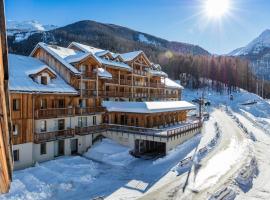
x: 216, y: 8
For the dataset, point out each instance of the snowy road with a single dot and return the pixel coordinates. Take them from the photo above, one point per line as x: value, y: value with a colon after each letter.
x: 217, y: 169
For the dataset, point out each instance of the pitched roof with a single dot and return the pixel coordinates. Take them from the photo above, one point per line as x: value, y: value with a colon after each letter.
x: 102, y: 73
x: 60, y: 53
x: 147, y: 107
x: 20, y: 69
x: 100, y: 52
x: 130, y: 55
x: 172, y: 84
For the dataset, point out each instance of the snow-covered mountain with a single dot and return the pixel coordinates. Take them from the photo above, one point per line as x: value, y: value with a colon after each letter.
x: 22, y: 30
x: 255, y: 47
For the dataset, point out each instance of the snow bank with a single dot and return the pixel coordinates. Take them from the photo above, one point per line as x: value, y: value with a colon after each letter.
x: 202, y: 152
x: 109, y: 152
x: 60, y: 179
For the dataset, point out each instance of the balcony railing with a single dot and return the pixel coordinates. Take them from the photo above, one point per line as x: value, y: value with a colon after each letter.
x: 125, y: 82
x: 140, y: 72
x: 156, y: 85
x: 54, y: 135
x: 88, y: 93
x: 167, y: 132
x: 53, y: 112
x: 88, y: 110
x: 89, y: 129
x: 142, y: 84
x: 89, y: 75
x: 113, y: 81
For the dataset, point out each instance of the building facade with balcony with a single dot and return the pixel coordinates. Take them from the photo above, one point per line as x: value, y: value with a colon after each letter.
x: 62, y: 99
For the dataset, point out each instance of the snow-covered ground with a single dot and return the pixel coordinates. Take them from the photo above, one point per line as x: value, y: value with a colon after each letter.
x: 108, y: 170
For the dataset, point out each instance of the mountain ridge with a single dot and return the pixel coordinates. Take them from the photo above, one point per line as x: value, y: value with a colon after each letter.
x: 107, y: 36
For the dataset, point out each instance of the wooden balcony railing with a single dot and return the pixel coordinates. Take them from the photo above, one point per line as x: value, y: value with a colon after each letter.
x: 88, y: 110
x: 89, y: 129
x: 125, y: 82
x: 157, y: 85
x: 142, y: 84
x: 54, y: 135
x: 140, y: 72
x: 88, y: 93
x: 89, y: 75
x: 53, y: 112
x: 113, y: 81
x: 164, y: 133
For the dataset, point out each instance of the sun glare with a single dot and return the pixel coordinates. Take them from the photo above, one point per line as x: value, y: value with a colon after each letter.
x: 216, y: 8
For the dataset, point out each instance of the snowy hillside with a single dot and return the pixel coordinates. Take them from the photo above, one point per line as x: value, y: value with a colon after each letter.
x: 254, y: 47
x: 22, y: 30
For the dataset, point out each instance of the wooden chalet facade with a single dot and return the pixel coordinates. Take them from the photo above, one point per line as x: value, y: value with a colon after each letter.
x: 58, y: 100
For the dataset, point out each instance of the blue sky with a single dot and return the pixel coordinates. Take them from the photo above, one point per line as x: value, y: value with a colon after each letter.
x: 178, y: 20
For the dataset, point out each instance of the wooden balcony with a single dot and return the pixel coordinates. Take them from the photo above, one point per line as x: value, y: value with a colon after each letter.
x: 89, y: 75
x: 140, y: 72
x: 53, y: 113
x: 113, y: 81
x: 125, y: 82
x: 55, y: 135
x: 88, y: 93
x: 157, y: 85
x: 163, y: 133
x: 88, y: 110
x: 89, y: 129
x: 140, y: 84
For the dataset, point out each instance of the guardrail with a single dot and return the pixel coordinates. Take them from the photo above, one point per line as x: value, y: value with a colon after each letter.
x: 54, y: 135
x: 53, y: 112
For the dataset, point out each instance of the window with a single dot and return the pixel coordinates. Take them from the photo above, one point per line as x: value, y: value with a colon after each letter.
x: 82, y: 121
x: 82, y: 103
x: 61, y: 124
x: 16, y: 104
x: 83, y: 67
x: 43, y: 149
x: 61, y: 103
x: 16, y: 156
x: 94, y: 120
x: 43, y: 126
x: 137, y: 121
x: 43, y: 103
x: 44, y: 80
x: 15, y: 129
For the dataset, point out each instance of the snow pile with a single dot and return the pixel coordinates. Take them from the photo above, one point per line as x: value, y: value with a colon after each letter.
x: 246, y: 175
x: 220, y: 164
x: 225, y: 193
x: 187, y: 162
x: 61, y: 178
x: 109, y: 152
x: 248, y: 134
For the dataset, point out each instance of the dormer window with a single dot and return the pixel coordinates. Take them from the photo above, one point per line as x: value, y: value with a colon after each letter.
x: 44, y: 80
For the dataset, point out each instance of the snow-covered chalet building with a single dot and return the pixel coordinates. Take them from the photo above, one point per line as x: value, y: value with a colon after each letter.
x: 64, y: 99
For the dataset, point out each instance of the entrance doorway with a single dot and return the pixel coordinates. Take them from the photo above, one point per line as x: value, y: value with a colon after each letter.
x: 59, y: 148
x: 74, y: 146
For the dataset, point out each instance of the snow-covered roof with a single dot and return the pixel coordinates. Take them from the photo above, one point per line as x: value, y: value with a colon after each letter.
x: 172, y: 84
x: 98, y: 53
x: 86, y: 48
x: 20, y: 67
x: 130, y: 55
x: 113, y: 63
x: 147, y: 107
x: 157, y: 73
x: 61, y: 54
x: 102, y: 73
